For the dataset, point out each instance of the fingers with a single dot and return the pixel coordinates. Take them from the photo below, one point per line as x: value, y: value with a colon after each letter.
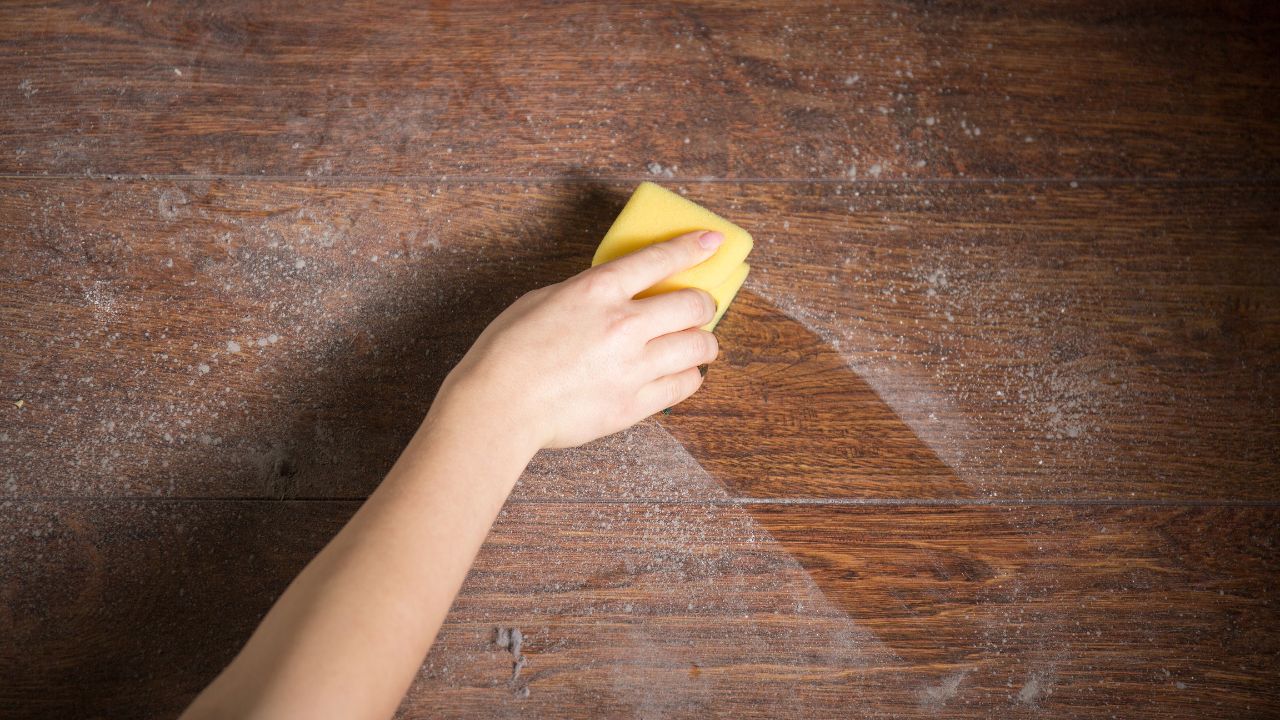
x: 646, y: 267
x: 680, y: 351
x: 675, y: 311
x: 668, y: 391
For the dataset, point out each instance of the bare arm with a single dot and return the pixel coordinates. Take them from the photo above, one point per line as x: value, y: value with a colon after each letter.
x: 562, y: 366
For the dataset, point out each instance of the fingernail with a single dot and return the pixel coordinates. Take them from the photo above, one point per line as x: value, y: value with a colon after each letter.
x: 710, y: 239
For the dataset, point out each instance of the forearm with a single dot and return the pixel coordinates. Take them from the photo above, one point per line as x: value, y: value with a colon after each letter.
x: 347, y: 637
x: 561, y: 366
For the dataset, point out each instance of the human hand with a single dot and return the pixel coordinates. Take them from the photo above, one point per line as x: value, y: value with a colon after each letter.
x: 581, y: 359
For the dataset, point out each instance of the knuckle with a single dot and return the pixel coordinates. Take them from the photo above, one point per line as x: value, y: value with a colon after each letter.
x: 601, y: 282
x: 687, y: 385
x: 708, y: 305
x: 695, y: 348
x: 695, y: 303
x: 662, y: 254
x: 623, y: 322
x: 676, y: 391
x: 710, y: 345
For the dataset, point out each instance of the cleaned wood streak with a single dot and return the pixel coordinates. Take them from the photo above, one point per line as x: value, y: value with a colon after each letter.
x: 685, y: 609
x: 1107, y: 341
x: 995, y: 430
x: 725, y: 89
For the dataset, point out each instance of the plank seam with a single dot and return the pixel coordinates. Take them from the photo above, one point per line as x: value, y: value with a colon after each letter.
x: 567, y: 180
x: 729, y: 502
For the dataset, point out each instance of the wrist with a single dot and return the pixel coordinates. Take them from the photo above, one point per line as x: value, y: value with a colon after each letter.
x: 469, y: 410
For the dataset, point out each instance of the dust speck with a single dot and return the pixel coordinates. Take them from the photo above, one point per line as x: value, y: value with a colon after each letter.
x: 170, y: 203
x: 935, y: 696
x: 1037, y: 686
x: 657, y: 170
x: 512, y: 640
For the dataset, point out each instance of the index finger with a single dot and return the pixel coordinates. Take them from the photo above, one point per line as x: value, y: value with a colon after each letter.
x: 648, y: 266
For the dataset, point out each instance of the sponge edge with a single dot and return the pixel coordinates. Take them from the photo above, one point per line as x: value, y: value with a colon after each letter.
x: 725, y: 292
x: 654, y: 214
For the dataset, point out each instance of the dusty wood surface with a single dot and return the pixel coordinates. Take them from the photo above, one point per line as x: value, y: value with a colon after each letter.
x: 995, y: 431
x: 1103, y: 341
x: 871, y: 89
x: 685, y: 609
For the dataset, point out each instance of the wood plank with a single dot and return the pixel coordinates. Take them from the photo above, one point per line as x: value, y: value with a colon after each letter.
x: 1102, y: 341
x: 1105, y: 341
x: 126, y: 608
x: 737, y: 88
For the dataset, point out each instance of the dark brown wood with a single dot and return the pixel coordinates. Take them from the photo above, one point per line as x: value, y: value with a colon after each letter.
x: 728, y: 89
x: 1104, y: 341
x: 995, y: 431
x: 123, y: 609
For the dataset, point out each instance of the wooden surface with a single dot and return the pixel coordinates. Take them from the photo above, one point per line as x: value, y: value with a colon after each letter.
x: 686, y: 609
x: 995, y: 431
x: 804, y: 89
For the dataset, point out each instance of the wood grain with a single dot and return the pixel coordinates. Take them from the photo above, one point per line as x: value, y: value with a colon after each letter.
x: 125, y: 608
x: 1103, y: 341
x: 737, y: 89
x: 995, y: 431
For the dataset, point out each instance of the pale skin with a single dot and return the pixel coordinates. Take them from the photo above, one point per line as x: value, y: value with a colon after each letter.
x: 562, y: 366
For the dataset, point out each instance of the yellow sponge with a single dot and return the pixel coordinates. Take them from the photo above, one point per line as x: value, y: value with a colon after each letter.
x: 654, y: 214
x: 725, y: 292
